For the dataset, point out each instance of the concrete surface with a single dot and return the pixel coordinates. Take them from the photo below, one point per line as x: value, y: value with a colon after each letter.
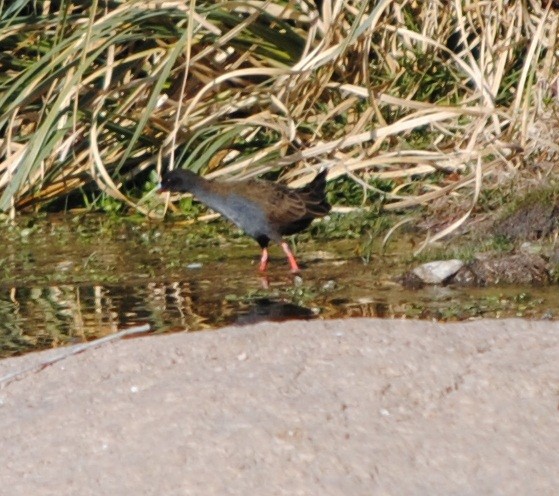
x: 347, y: 407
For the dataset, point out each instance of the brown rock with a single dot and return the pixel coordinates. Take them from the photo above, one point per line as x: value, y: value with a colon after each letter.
x: 521, y: 269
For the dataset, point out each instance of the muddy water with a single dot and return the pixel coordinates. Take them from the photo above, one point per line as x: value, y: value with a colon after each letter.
x: 71, y: 279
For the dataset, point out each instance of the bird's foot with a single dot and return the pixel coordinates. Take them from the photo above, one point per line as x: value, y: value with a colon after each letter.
x: 263, y: 261
x: 291, y: 258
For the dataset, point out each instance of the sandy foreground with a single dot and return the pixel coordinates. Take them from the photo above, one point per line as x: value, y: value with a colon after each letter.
x: 346, y: 407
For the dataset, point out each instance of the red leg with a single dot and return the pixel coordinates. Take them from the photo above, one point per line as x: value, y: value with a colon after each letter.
x: 290, y: 257
x: 264, y: 260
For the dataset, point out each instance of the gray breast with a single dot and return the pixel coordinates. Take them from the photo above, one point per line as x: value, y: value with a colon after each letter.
x: 247, y: 215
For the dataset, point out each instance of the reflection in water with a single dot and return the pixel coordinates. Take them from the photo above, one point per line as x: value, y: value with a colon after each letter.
x: 41, y: 317
x: 34, y: 318
x: 51, y: 316
x: 265, y: 309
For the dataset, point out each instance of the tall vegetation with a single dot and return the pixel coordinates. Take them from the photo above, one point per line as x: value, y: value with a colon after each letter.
x: 431, y: 99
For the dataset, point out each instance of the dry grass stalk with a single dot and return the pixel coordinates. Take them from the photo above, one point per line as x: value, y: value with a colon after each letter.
x: 407, y: 92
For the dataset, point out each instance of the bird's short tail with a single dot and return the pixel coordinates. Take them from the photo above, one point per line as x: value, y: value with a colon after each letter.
x: 314, y: 195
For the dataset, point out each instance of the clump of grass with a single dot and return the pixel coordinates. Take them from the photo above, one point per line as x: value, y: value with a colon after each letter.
x: 430, y: 98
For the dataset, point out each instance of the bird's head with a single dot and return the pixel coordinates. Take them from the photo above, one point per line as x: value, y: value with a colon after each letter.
x: 178, y: 181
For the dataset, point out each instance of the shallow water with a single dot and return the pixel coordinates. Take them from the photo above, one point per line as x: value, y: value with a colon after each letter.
x: 68, y: 279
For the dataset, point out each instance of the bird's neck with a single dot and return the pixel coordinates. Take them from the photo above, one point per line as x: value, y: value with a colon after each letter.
x: 207, y: 192
x: 199, y: 186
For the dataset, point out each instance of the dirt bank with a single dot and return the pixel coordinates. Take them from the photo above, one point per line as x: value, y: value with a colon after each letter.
x: 352, y: 407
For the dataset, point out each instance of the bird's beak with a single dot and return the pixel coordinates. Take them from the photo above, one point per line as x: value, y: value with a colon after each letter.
x: 160, y: 189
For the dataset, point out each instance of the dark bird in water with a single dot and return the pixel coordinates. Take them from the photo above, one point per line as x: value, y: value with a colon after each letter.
x: 264, y: 210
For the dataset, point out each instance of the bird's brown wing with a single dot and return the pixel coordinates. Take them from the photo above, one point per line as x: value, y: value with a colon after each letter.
x: 280, y: 204
x: 283, y: 206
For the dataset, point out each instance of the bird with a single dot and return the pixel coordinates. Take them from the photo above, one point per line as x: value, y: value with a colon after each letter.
x: 264, y: 210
